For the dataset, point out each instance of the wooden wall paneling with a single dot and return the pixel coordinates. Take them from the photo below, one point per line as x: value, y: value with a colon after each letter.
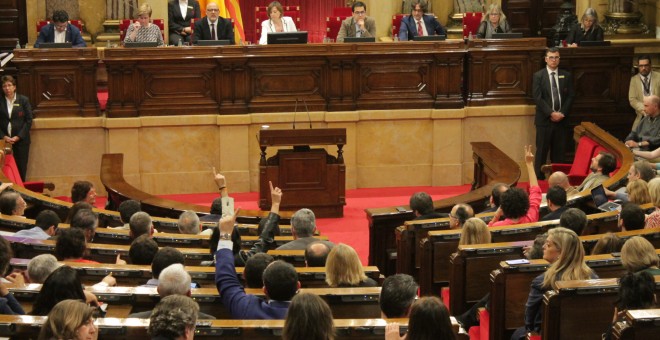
x: 13, y: 24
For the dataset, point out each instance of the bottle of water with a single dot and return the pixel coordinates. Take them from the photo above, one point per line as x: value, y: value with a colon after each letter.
x: 18, y: 44
x: 107, y: 44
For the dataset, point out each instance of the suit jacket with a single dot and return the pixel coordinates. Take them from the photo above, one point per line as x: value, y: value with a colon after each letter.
x: 636, y: 93
x: 224, y: 30
x: 302, y: 243
x: 577, y: 34
x: 482, y: 31
x: 593, y: 180
x: 239, y: 304
x: 21, y: 118
x: 288, y: 26
x: 175, y: 21
x: 408, y: 28
x: 348, y: 28
x: 72, y: 35
x: 543, y: 96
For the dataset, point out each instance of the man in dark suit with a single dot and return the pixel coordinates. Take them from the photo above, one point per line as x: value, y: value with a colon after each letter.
x: 60, y: 30
x: 411, y: 24
x: 15, y: 123
x: 222, y: 28
x: 179, y: 24
x: 553, y: 94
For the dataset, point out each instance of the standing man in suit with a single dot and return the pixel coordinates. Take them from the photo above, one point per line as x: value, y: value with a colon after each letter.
x: 213, y: 27
x: 15, y: 123
x: 553, y: 94
x: 358, y: 25
x: 645, y: 83
x: 179, y: 14
x: 60, y: 31
x: 418, y: 23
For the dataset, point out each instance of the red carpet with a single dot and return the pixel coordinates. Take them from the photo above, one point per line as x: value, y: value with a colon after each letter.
x: 353, y: 228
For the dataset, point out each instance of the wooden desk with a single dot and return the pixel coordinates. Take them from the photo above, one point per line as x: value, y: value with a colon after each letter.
x: 639, y: 325
x: 59, y: 82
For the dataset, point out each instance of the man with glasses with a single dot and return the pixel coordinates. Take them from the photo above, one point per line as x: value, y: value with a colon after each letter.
x: 643, y: 84
x: 553, y: 94
x: 358, y: 25
x: 60, y: 31
x: 418, y: 23
x: 213, y: 26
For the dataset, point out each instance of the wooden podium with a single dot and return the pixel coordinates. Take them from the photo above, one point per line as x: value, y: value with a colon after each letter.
x: 309, y: 178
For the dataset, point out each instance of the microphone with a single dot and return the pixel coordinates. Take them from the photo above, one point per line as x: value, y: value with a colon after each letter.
x: 295, y: 110
x: 308, y: 116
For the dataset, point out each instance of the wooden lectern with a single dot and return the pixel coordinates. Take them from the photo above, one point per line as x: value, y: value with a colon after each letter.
x: 309, y: 178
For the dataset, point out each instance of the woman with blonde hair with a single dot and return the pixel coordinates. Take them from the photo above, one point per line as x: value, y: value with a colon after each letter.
x: 564, y: 251
x: 308, y: 317
x: 638, y: 192
x: 142, y: 30
x: 493, y: 21
x: 277, y: 22
x: 70, y: 319
x: 344, y: 269
x: 653, y: 220
x: 475, y: 231
x: 587, y: 30
x: 638, y: 254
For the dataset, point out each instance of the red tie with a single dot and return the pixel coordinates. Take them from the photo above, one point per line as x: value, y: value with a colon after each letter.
x: 420, y: 30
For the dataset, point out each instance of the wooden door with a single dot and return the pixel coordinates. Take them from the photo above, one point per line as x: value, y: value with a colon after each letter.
x: 13, y: 24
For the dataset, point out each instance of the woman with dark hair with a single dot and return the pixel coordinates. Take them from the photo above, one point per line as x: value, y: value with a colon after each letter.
x: 15, y: 123
x: 71, y: 245
x: 636, y: 291
x: 277, y: 22
x: 83, y: 191
x: 429, y: 320
x: 308, y: 317
x: 70, y: 319
x: 61, y: 284
x: 75, y: 208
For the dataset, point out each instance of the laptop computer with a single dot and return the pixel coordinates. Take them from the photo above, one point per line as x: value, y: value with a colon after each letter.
x: 601, y: 201
x: 55, y: 45
x: 212, y: 42
x: 430, y: 38
x: 359, y: 39
x: 141, y: 44
x: 275, y: 38
x: 516, y: 35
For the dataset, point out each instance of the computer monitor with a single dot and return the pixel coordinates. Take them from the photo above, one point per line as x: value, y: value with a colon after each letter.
x: 287, y: 38
x: 594, y: 43
x: 430, y: 38
x: 359, y: 39
x: 55, y: 45
x: 213, y: 42
x: 516, y: 35
x: 133, y: 44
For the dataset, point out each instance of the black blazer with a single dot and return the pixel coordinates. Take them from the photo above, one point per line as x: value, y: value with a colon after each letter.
x: 175, y: 21
x: 577, y: 34
x: 408, y: 28
x: 21, y: 118
x: 543, y: 96
x: 72, y: 35
x: 225, y: 30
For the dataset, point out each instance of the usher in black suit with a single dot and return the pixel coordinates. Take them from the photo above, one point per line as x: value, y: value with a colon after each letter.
x: 21, y: 121
x: 551, y: 136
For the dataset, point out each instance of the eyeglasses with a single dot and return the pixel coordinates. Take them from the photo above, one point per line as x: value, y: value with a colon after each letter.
x: 213, y: 10
x: 360, y: 12
x: 494, y: 14
x: 644, y: 65
x: 553, y: 57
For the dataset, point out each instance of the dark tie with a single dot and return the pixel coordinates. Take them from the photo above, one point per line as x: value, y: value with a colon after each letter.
x: 212, y: 31
x: 556, y: 105
x: 420, y: 30
x: 647, y: 86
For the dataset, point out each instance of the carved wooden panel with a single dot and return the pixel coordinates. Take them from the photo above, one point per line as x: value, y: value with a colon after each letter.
x: 532, y: 18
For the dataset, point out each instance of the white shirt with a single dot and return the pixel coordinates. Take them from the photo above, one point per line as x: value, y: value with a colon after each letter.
x: 556, y: 82
x: 10, y: 108
x: 183, y: 5
x: 424, y: 32
x: 60, y: 37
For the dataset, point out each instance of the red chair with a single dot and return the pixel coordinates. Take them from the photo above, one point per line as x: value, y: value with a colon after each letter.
x: 332, y: 26
x: 578, y: 170
x: 396, y: 24
x: 342, y: 12
x: 471, y: 22
x: 10, y: 171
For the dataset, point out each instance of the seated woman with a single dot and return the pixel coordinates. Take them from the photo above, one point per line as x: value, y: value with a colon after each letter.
x: 277, y: 22
x: 636, y: 291
x: 565, y: 253
x: 588, y: 30
x: 493, y: 21
x: 638, y: 254
x: 71, y: 245
x: 429, y: 319
x: 474, y: 231
x: 607, y: 244
x: 61, y: 284
x: 638, y: 192
x: 70, y: 319
x: 143, y: 30
x: 308, y: 317
x: 344, y: 269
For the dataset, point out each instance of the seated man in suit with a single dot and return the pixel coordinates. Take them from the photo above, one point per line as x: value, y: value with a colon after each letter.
x: 556, y: 198
x: 60, y: 31
x: 643, y: 84
x: 421, y: 204
x: 303, y: 226
x: 213, y: 27
x: 647, y: 133
x: 358, y: 25
x: 418, y: 23
x: 179, y: 15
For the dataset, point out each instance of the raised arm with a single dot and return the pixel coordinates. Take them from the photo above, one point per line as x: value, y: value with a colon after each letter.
x: 221, y: 181
x: 529, y: 162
